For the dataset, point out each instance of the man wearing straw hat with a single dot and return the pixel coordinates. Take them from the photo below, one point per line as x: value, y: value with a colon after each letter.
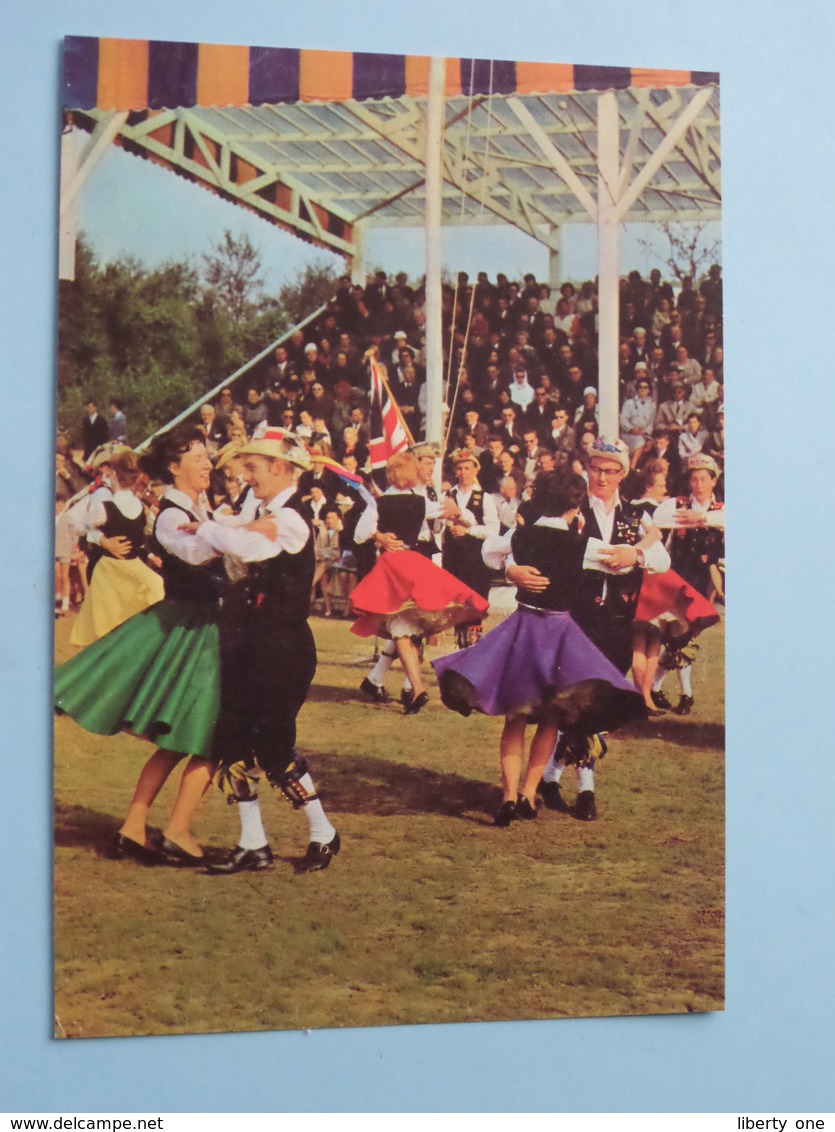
x: 268, y: 655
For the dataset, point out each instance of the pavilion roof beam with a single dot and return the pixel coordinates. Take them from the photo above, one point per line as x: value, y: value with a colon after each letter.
x: 468, y: 188
x: 559, y: 162
x: 633, y: 142
x: 101, y: 139
x: 246, y: 193
x: 670, y: 142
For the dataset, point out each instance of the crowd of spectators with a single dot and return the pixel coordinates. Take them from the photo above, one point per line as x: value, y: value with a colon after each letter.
x: 521, y: 383
x: 524, y: 363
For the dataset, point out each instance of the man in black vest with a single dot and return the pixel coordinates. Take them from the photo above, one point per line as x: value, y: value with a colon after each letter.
x: 629, y: 544
x: 472, y: 517
x: 268, y: 655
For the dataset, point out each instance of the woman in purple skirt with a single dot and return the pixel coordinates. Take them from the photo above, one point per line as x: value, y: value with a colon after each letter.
x: 538, y: 666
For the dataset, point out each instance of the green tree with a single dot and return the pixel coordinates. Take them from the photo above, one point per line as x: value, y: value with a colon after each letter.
x: 312, y: 286
x: 234, y: 271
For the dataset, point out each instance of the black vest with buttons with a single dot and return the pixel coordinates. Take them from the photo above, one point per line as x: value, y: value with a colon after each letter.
x: 182, y: 581
x: 279, y: 588
x: 616, y: 593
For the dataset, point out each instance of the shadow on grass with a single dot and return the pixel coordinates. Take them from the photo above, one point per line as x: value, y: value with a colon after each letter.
x: 365, y: 785
x: 684, y: 731
x: 79, y: 826
x: 333, y: 694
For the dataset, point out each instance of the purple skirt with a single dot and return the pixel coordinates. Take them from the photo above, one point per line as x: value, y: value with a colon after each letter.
x: 534, y: 660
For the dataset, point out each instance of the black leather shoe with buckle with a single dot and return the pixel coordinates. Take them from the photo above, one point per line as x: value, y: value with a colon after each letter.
x: 319, y: 856
x: 243, y: 860
x: 378, y: 695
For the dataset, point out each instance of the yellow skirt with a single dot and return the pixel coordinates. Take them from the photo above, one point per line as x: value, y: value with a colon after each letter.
x: 120, y: 588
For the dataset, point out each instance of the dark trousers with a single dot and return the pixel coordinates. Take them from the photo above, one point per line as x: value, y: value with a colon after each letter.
x: 266, y: 670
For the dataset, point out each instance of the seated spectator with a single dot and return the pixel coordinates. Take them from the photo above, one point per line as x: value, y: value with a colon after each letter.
x: 521, y: 392
x: 693, y: 438
x: 351, y: 445
x: 510, y: 431
x: 562, y: 438
x: 211, y: 428
x: 672, y: 415
x: 490, y: 472
x: 472, y: 427
x: 587, y: 416
x: 507, y: 502
x: 255, y: 411
x: 706, y: 391
x: 225, y: 407
x: 539, y: 412
x: 511, y: 470
x: 637, y: 417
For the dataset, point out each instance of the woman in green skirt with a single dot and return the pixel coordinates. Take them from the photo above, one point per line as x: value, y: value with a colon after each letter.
x: 158, y: 674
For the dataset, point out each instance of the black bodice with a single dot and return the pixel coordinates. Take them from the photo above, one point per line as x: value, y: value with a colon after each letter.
x: 402, y: 515
x: 117, y: 525
x: 185, y: 582
x: 556, y: 553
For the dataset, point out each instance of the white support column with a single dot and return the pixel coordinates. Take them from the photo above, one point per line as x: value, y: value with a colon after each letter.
x: 555, y: 258
x: 608, y: 257
x: 67, y: 220
x: 358, y: 263
x: 434, y: 344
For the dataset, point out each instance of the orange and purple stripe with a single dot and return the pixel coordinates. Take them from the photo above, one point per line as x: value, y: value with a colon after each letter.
x: 122, y: 74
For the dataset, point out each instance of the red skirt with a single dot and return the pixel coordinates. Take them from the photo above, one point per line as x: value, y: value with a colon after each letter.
x: 404, y: 583
x: 670, y: 604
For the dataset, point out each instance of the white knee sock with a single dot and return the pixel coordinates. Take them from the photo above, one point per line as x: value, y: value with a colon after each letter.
x: 685, y: 680
x: 585, y: 778
x: 553, y: 768
x: 252, y: 830
x: 659, y: 679
x: 382, y: 668
x: 321, y: 829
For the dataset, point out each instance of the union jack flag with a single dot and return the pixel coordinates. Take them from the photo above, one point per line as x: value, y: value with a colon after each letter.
x: 387, y: 433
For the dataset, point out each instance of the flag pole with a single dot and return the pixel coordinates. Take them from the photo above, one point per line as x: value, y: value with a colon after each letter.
x: 372, y: 357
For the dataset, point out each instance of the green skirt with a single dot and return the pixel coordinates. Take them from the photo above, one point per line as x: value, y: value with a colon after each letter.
x: 156, y: 676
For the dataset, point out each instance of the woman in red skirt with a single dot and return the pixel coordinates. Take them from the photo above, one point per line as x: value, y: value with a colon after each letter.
x: 407, y: 596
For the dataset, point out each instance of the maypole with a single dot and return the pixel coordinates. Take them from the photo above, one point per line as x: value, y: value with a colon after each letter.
x: 434, y: 344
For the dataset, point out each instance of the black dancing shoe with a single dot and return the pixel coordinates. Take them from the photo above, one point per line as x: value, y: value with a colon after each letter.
x: 243, y: 860
x: 524, y: 809
x: 414, y: 706
x: 378, y: 695
x: 684, y: 705
x: 661, y: 701
x: 550, y: 794
x: 319, y: 856
x: 172, y: 854
x: 584, y: 806
x: 506, y: 814
x: 406, y: 697
x: 124, y: 848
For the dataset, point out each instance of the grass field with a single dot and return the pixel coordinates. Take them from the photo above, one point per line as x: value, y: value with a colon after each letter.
x: 430, y: 913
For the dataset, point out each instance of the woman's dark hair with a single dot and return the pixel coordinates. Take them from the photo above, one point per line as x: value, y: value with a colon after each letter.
x: 169, y: 448
x: 554, y: 493
x: 652, y: 468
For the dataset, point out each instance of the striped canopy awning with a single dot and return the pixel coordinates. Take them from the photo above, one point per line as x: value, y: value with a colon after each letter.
x: 134, y: 74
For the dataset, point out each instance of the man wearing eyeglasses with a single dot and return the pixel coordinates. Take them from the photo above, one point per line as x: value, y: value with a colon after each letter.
x: 630, y: 544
